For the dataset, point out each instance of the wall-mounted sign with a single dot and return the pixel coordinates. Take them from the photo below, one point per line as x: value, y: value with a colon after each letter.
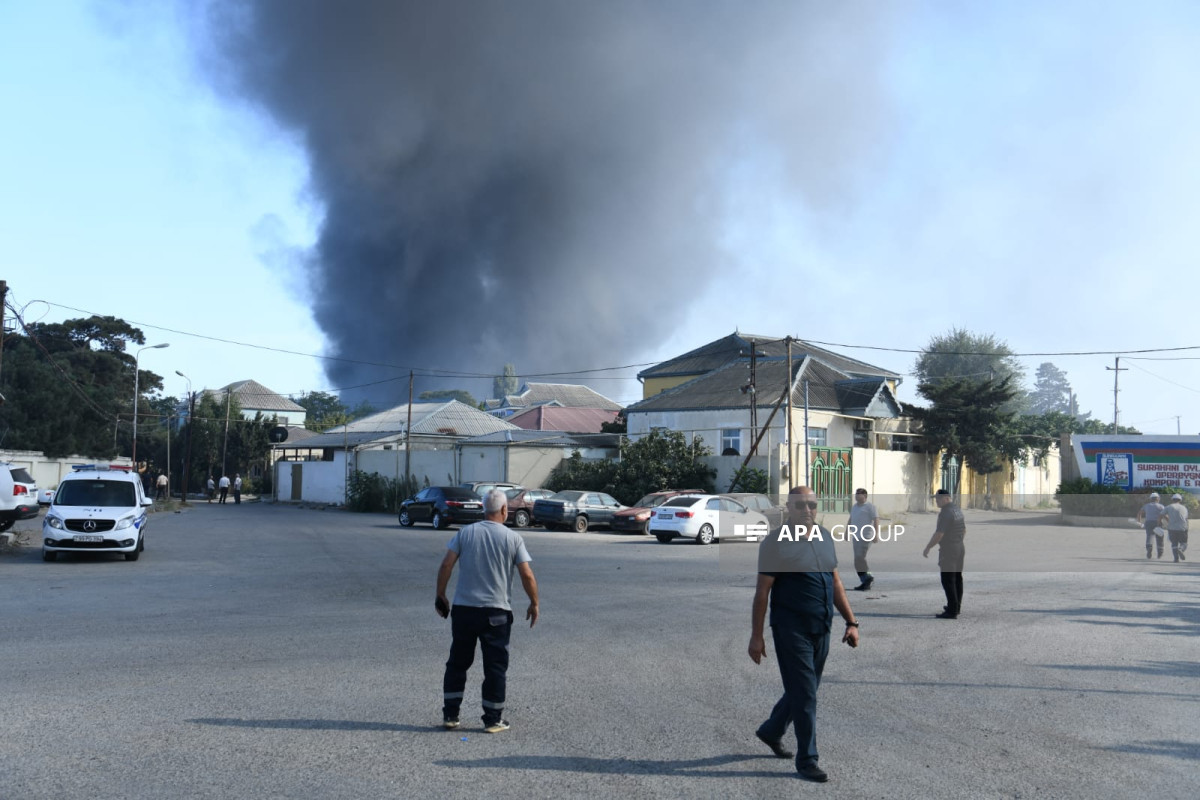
x: 1131, y: 462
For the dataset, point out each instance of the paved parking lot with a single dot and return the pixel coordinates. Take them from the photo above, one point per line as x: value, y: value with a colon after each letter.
x: 266, y: 651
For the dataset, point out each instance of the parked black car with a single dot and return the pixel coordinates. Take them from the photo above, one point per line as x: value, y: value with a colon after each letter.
x: 574, y: 509
x: 442, y: 506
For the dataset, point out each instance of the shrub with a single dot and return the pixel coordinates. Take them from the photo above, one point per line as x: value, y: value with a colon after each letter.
x: 1081, y: 497
x: 370, y: 491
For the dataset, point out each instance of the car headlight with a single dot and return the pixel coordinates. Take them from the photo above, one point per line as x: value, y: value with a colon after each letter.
x: 54, y: 522
x: 123, y: 524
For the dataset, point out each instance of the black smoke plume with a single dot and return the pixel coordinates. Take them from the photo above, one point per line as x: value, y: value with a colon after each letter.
x: 543, y: 183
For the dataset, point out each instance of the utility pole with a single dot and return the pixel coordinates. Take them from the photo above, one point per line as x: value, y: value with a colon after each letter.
x: 791, y: 447
x: 187, y: 448
x: 3, y: 299
x: 408, y: 437
x: 1116, y: 370
x: 753, y: 388
x: 225, y: 446
x: 807, y: 459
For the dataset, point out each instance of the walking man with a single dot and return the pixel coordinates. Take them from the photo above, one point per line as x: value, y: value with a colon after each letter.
x: 1149, y: 515
x: 224, y: 485
x: 865, y: 520
x: 490, y: 555
x: 211, y: 486
x: 161, y: 486
x: 237, y: 489
x: 1177, y: 526
x: 949, y: 535
x: 798, y: 578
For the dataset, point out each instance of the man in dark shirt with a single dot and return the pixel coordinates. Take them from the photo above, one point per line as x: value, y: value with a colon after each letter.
x: 949, y: 535
x: 797, y: 576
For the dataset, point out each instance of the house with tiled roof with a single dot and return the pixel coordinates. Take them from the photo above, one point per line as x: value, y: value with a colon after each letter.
x: 562, y: 395
x: 557, y: 418
x: 734, y: 394
x: 254, y: 398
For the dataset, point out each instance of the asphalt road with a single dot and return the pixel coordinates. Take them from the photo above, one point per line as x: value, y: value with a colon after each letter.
x: 259, y: 651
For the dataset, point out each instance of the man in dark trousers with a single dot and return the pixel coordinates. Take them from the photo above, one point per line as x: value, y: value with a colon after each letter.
x: 798, y: 578
x: 490, y: 555
x: 949, y: 535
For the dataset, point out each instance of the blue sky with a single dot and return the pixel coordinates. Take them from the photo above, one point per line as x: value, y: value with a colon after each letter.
x: 1030, y: 172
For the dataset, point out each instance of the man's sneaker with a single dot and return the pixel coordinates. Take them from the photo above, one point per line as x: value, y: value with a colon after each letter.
x: 499, y: 726
x: 1182, y: 557
x: 776, y: 746
x: 947, y: 615
x: 450, y: 723
x: 812, y: 773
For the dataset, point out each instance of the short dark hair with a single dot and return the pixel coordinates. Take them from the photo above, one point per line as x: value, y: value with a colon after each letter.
x: 942, y: 491
x: 860, y: 491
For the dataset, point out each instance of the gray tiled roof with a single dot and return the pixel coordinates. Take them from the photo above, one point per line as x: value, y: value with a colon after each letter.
x: 337, y: 440
x: 722, y: 388
x: 568, y: 395
x: 737, y: 346
x: 451, y: 418
x: 253, y: 396
x: 866, y: 397
x: 546, y: 439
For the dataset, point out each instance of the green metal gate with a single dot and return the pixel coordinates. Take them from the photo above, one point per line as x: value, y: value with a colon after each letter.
x: 830, y: 468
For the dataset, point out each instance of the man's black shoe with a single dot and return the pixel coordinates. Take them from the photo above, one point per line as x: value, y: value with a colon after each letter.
x: 865, y: 586
x: 947, y: 614
x: 776, y: 747
x: 812, y: 773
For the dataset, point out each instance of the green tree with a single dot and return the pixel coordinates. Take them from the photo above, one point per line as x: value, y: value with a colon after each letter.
x: 69, y: 387
x: 962, y: 355
x: 505, y: 384
x: 659, y: 460
x: 967, y: 419
x: 461, y: 395
x: 1051, y: 391
x: 324, y: 411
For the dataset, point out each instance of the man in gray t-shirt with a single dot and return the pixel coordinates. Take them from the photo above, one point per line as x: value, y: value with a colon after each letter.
x: 865, y: 520
x: 1149, y: 515
x: 489, y: 554
x: 1176, y: 519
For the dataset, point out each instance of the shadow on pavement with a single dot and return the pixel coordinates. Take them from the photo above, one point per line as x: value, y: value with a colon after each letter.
x: 1185, y: 616
x: 314, y: 724
x: 1172, y: 748
x: 1015, y: 687
x: 692, y: 768
x: 1156, y: 669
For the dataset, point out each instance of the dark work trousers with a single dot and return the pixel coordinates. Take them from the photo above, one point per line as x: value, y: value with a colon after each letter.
x: 491, y: 628
x: 1178, y: 544
x: 224, y: 494
x: 953, y: 586
x: 801, y: 659
x: 237, y: 496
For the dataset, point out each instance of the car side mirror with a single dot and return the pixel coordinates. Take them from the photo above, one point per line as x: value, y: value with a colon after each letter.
x: 147, y: 502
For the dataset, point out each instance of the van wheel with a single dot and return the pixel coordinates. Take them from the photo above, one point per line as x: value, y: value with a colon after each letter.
x: 521, y: 519
x: 706, y: 534
x: 665, y: 538
x: 5, y: 524
x: 134, y: 555
x: 581, y: 524
x: 48, y: 555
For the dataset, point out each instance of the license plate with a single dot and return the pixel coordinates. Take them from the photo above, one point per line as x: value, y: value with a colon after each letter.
x: 666, y: 515
x: 89, y: 538
x: 472, y: 505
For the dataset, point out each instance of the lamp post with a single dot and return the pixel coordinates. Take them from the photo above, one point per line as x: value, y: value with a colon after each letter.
x: 135, y: 395
x: 187, y: 449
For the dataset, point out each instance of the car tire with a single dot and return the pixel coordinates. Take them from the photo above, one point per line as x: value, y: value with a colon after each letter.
x: 48, y: 555
x: 405, y: 519
x: 646, y: 528
x: 581, y: 524
x: 706, y: 534
x: 137, y: 551
x: 438, y: 521
x: 5, y: 524
x: 665, y: 538
x: 521, y: 519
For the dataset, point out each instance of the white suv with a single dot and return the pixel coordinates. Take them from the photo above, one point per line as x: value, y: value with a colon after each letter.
x: 18, y: 495
x: 97, y: 510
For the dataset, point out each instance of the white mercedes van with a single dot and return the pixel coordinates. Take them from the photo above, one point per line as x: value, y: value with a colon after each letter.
x: 97, y: 509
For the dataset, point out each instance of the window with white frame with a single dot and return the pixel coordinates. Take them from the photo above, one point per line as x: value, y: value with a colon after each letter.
x: 818, y: 437
x: 731, y: 442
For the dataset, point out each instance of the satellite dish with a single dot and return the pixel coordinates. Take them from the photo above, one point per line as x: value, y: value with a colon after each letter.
x: 278, y: 434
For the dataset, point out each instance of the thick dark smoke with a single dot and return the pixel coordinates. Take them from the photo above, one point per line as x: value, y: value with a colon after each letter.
x: 540, y: 182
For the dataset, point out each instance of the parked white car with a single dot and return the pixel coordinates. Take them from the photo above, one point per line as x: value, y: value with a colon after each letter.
x: 705, y: 518
x: 97, y: 510
x: 45, y: 497
x: 18, y: 495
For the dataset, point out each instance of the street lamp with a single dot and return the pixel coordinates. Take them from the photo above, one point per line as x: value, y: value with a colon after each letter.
x: 135, y: 394
x: 187, y: 450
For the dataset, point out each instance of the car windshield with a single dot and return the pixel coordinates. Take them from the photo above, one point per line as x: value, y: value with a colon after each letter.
x: 512, y: 493
x: 567, y: 496
x: 651, y: 500
x: 97, y: 493
x: 682, y: 502
x: 458, y: 493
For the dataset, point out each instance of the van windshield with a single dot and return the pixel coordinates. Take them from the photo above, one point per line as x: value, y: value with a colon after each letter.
x: 95, y: 493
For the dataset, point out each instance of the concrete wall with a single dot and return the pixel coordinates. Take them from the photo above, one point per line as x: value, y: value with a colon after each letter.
x: 435, y: 466
x: 322, y: 481
x: 896, y: 482
x: 48, y: 472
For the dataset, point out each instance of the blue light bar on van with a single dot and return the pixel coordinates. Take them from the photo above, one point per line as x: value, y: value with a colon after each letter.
x: 100, y: 467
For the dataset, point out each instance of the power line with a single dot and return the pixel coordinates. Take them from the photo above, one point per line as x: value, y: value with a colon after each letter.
x: 1168, y: 380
